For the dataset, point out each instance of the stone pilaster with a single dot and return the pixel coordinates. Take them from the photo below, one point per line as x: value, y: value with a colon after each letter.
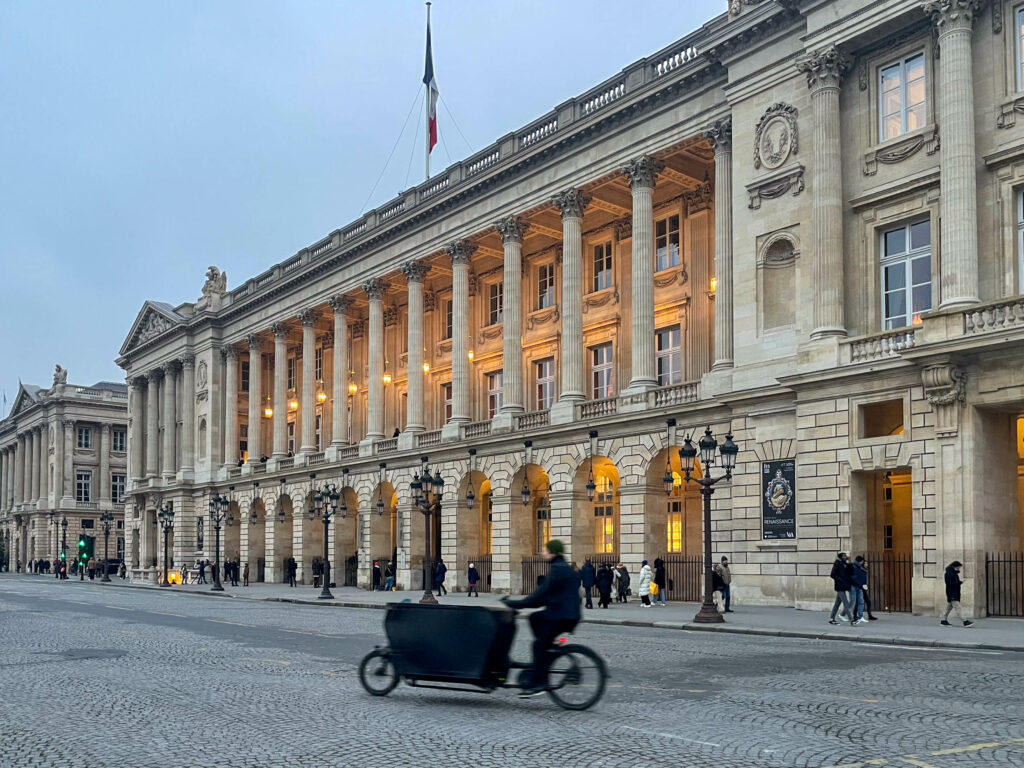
x: 571, y: 203
x: 36, y: 456
x: 461, y: 253
x: 188, y: 413
x: 255, y: 447
x: 954, y: 20
x: 825, y: 70
x: 3, y: 480
x: 19, y: 469
x: 512, y: 230
x: 375, y: 290
x: 231, y: 455
x: 58, y: 461
x: 341, y: 364
x: 104, y: 479
x: 44, y: 469
x: 67, y: 488
x: 415, y: 272
x: 280, y: 332
x: 153, y: 422
x: 136, y: 423
x: 308, y: 319
x: 170, y: 420
x: 642, y: 173
x: 721, y: 138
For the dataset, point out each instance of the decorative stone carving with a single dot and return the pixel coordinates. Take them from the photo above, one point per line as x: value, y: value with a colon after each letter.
x: 461, y: 251
x: 374, y: 289
x: 390, y: 316
x: 571, y: 203
x: 953, y: 12
x: 540, y: 318
x: 187, y: 361
x: 309, y: 316
x: 340, y: 304
x: 665, y: 279
x: 512, y: 229
x: 201, y: 375
x: 491, y: 332
x: 699, y: 199
x: 824, y: 68
x: 230, y: 352
x: 1008, y: 112
x: 997, y: 18
x: 415, y: 271
x: 720, y: 134
x: 216, y: 282
x: 945, y: 388
x: 60, y: 375
x: 255, y: 342
x: 788, y: 179
x: 898, y: 150
x: 429, y: 301
x: 600, y: 299
x: 643, y: 172
x: 775, y: 137
x: 152, y: 326
x: 623, y: 228
x: 736, y: 6
x: 280, y: 330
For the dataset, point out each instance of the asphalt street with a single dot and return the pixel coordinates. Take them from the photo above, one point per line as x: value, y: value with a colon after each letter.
x: 103, y: 676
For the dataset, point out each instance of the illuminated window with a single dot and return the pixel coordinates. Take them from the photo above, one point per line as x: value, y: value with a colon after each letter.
x: 495, y: 302
x: 545, y: 286
x: 602, y: 266
x: 448, y: 315
x: 545, y: 372
x: 674, y: 529
x: 446, y: 399
x: 906, y: 274
x: 291, y: 373
x: 901, y: 94
x: 318, y: 364
x: 602, y: 373
x: 543, y: 529
x: 494, y: 393
x: 668, y: 356
x: 666, y: 242
x: 604, y: 515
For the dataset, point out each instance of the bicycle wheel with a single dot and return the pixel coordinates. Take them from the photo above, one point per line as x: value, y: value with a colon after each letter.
x: 576, y: 677
x: 377, y: 673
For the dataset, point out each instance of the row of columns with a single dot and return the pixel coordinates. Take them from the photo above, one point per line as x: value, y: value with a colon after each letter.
x: 160, y: 454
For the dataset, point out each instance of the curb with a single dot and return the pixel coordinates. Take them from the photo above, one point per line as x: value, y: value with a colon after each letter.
x: 683, y: 626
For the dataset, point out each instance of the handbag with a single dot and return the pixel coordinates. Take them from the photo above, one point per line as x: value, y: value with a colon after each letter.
x: 654, y: 587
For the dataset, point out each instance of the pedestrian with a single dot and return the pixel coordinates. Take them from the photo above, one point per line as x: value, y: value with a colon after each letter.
x: 622, y: 583
x: 660, y: 581
x: 292, y: 568
x: 122, y: 570
x: 858, y: 586
x: 90, y: 568
x: 375, y: 578
x: 184, y: 573
x: 867, y: 596
x: 725, y: 577
x: 389, y: 577
x: 603, y: 581
x: 245, y: 576
x: 953, y: 583
x: 17, y: 567
x: 201, y: 565
x: 235, y: 569
x: 473, y: 576
x: 587, y: 574
x: 439, y: 574
x: 841, y: 581
x: 645, y: 584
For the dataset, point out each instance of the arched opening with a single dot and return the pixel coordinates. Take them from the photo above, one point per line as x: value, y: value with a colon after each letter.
x: 383, y: 513
x: 529, y: 527
x: 312, y: 540
x: 202, y: 438
x: 673, y: 525
x: 595, y: 523
x: 233, y: 533
x: 257, y: 554
x: 345, y: 559
x: 283, y: 535
x: 473, y: 530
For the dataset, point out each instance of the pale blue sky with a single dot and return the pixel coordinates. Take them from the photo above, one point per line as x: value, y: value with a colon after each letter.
x: 141, y: 142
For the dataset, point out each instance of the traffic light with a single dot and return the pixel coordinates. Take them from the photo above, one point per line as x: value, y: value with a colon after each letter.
x: 82, y: 554
x: 62, y: 556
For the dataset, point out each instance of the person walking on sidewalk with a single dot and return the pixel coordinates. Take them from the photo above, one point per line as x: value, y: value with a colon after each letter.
x: 603, y: 582
x: 645, y: 584
x: 587, y: 578
x: 953, y: 583
x: 201, y: 567
x: 473, y: 577
x: 867, y: 595
x: 724, y: 582
x: 439, y: 573
x: 389, y: 577
x: 858, y: 588
x: 659, y: 581
x: 621, y: 583
x: 292, y: 569
x: 841, y: 580
x: 245, y: 576
x: 375, y: 578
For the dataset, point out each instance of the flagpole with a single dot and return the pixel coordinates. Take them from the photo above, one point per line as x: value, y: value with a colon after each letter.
x: 426, y: 107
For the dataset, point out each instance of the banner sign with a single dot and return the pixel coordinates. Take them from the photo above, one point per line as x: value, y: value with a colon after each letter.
x: 778, y: 505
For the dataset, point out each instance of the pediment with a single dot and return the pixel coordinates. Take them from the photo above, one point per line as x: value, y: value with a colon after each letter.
x: 152, y: 321
x: 22, y: 401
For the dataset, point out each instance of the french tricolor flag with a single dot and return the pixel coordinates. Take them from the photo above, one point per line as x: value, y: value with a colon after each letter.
x: 432, y: 94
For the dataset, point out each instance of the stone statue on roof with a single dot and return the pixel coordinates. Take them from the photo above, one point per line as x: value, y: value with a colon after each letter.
x: 60, y: 375
x: 216, y: 282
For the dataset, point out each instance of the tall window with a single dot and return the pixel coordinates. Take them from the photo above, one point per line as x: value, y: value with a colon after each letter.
x: 118, y: 441
x: 318, y: 364
x: 83, y: 485
x: 117, y: 486
x: 901, y: 95
x: 545, y: 373
x: 545, y: 286
x: 243, y: 380
x: 602, y: 374
x: 604, y: 515
x: 447, y: 319
x: 319, y: 429
x: 602, y: 266
x: 543, y: 529
x: 667, y: 343
x: 906, y: 274
x: 291, y: 438
x: 1020, y: 240
x: 1020, y: 49
x: 291, y: 373
x: 494, y: 393
x: 84, y: 438
x: 674, y: 528
x: 495, y: 302
x: 446, y: 399
x: 666, y: 242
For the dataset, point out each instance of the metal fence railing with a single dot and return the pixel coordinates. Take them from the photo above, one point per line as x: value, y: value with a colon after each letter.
x: 890, y: 578
x: 1004, y: 583
x: 684, y: 575
x: 483, y: 564
x: 535, y: 568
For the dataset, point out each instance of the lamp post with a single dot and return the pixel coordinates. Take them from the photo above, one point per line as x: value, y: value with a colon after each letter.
x: 219, y: 511
x: 106, y: 520
x: 325, y: 506
x: 63, y: 544
x: 166, y: 518
x: 56, y: 538
x: 426, y: 495
x: 708, y: 614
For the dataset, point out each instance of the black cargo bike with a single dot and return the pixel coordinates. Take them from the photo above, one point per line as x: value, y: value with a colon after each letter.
x: 466, y: 648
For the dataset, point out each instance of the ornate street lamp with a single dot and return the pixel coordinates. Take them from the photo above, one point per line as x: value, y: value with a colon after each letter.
x: 64, y: 544
x: 708, y: 614
x: 56, y: 538
x: 107, y: 521
x: 325, y: 506
x: 219, y: 512
x: 470, y: 495
x: 524, y: 492
x: 166, y: 519
x: 426, y: 495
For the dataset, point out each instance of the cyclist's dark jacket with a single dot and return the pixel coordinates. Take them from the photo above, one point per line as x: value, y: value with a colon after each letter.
x: 559, y: 593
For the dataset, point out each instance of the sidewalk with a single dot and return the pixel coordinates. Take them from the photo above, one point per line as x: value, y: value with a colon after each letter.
x: 890, y: 629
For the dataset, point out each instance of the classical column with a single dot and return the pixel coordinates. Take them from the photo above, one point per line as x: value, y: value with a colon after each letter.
x: 280, y: 332
x: 512, y: 230
x: 255, y: 397
x: 461, y: 252
x: 571, y: 203
x: 19, y: 469
x: 136, y: 422
x: 340, y: 306
x: 170, y: 421
x: 308, y: 319
x: 67, y: 487
x: 825, y: 70
x: 721, y: 138
x: 231, y: 455
x: 44, y: 468
x: 415, y: 272
x: 642, y: 174
x: 958, y: 201
x: 3, y: 479
x: 36, y: 456
x: 188, y: 412
x: 104, y: 478
x: 375, y: 289
x: 58, y: 462
x: 152, y: 422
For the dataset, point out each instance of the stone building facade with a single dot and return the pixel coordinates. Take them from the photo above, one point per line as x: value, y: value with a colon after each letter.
x: 63, y: 456
x: 799, y: 223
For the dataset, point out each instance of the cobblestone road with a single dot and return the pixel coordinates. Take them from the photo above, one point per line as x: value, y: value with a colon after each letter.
x: 99, y: 677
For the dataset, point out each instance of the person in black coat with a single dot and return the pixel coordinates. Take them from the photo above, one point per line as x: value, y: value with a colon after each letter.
x: 587, y: 576
x: 439, y: 573
x: 292, y: 569
x: 603, y: 581
x: 953, y: 583
x: 660, y: 580
x: 376, y: 576
x: 840, y: 576
x: 559, y: 595
x: 473, y: 577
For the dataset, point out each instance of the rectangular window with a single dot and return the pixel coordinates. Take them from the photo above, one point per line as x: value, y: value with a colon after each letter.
x: 447, y: 319
x: 901, y: 97
x: 243, y: 442
x: 906, y: 274
x: 666, y: 243
x: 494, y: 393
x: 675, y: 526
x: 318, y: 364
x: 545, y: 372
x: 319, y: 429
x: 291, y: 373
x: 88, y: 522
x: 602, y: 266
x: 601, y: 371
x: 83, y: 485
x: 604, y: 516
x: 545, y: 286
x: 495, y: 303
x: 886, y: 537
x: 117, y: 485
x: 543, y: 526
x: 84, y: 438
x: 446, y: 400
x: 119, y: 441
x: 668, y: 355
x: 243, y: 380
x: 291, y: 438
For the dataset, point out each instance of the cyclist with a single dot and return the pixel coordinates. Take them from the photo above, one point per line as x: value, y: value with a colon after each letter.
x: 559, y: 595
